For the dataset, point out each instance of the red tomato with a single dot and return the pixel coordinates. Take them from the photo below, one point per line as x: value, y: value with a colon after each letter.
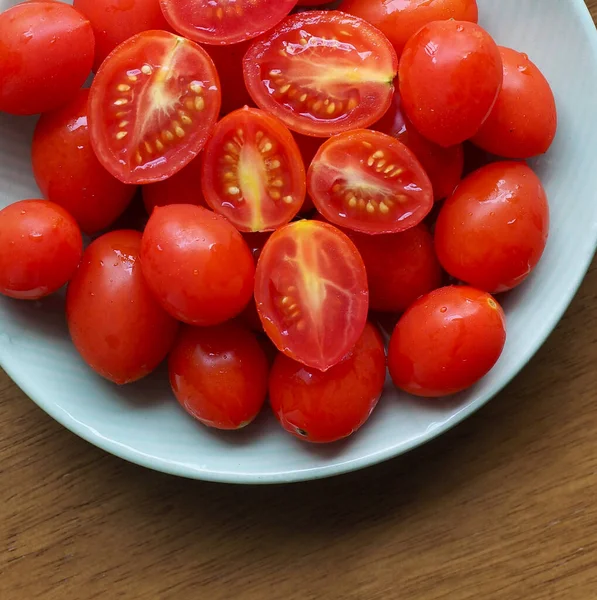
x: 326, y: 407
x: 115, y: 21
x: 370, y: 182
x: 221, y: 22
x: 312, y: 2
x: 446, y: 342
x: 492, y: 232
x: 401, y: 267
x: 450, y: 77
x: 197, y: 264
x: 400, y: 19
x: 40, y: 248
x: 39, y: 70
x: 524, y: 120
x: 152, y: 106
x: 443, y: 165
x: 182, y: 188
x: 219, y: 374
x: 117, y: 326
x: 68, y: 172
x: 253, y: 173
x: 250, y: 316
x: 322, y: 72
x: 311, y: 293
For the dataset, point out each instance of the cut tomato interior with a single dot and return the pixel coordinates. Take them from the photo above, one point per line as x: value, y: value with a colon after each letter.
x: 311, y: 293
x: 153, y: 104
x: 322, y: 72
x: 369, y: 182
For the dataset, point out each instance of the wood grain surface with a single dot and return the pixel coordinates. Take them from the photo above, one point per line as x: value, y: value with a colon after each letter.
x: 504, y: 507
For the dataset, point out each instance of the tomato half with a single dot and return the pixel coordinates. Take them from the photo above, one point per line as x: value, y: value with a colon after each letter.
x: 326, y: 407
x: 370, y: 182
x: 221, y: 22
x: 153, y: 104
x: 311, y: 293
x: 39, y: 70
x: 253, y: 173
x: 322, y: 72
x: 446, y: 342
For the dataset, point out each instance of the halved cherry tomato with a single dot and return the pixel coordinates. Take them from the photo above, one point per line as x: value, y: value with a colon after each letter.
x: 116, y: 324
x: 153, y: 105
x: 253, y: 173
x: 219, y: 374
x: 115, y: 21
x: 322, y: 72
x: 46, y: 53
x: 370, y: 182
x: 326, y: 407
x: 446, y: 341
x: 40, y: 248
x: 221, y: 22
x: 68, y: 172
x: 450, y: 77
x: 311, y: 293
x: 492, y: 231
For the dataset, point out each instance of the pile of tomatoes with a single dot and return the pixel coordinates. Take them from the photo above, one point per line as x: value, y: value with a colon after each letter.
x: 304, y: 178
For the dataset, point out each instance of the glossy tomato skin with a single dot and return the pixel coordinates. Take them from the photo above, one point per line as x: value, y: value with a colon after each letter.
x: 448, y: 92
x: 524, y: 120
x: 68, y: 172
x: 446, y: 342
x: 197, y: 264
x: 38, y: 69
x: 401, y: 19
x: 327, y: 407
x: 219, y: 374
x: 40, y: 248
x: 116, y: 324
x: 492, y: 231
x: 115, y: 21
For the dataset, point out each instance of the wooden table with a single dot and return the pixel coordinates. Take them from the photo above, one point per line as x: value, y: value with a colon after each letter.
x: 504, y: 507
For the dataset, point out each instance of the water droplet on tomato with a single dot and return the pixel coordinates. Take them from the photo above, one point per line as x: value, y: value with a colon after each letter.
x: 443, y: 309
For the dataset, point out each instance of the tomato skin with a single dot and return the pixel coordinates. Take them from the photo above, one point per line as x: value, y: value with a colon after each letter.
x: 524, y: 120
x: 68, y: 172
x: 219, y: 374
x: 197, y: 264
x: 326, y: 407
x: 40, y: 248
x: 492, y: 231
x: 448, y: 93
x: 38, y: 69
x: 446, y: 342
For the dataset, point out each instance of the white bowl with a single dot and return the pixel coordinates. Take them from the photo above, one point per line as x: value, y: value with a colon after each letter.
x: 144, y: 424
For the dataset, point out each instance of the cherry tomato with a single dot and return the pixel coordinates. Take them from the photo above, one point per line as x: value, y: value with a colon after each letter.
x: 221, y: 22
x: 153, y: 105
x: 370, y: 182
x: 219, y: 374
x: 40, y: 248
x: 326, y: 407
x: 322, y: 72
x: 524, y: 120
x: 68, y: 172
x: 115, y: 21
x: 197, y: 264
x: 450, y: 77
x: 311, y: 293
x: 401, y: 267
x: 400, y: 19
x: 182, y: 188
x: 39, y: 70
x: 253, y: 173
x: 444, y: 166
x: 250, y: 316
x: 116, y: 324
x: 446, y: 342
x: 492, y: 232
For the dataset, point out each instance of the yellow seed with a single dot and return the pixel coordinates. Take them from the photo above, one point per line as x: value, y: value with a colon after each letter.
x: 121, y: 102
x: 275, y: 164
x: 275, y: 195
x: 326, y: 102
x: 233, y: 190
x: 370, y: 208
x: 121, y: 135
x: 229, y: 159
x: 293, y: 308
x: 230, y: 147
x: 383, y: 208
x: 146, y: 69
x: 303, y: 97
x: 123, y: 124
x: 167, y: 136
x: 389, y: 168
x: 148, y: 148
x: 378, y: 154
x: 285, y: 300
x: 186, y: 120
x: 138, y: 158
x: 195, y: 87
x: 123, y: 87
x: 304, y: 42
x: 159, y: 145
x: 331, y: 108
x: 267, y: 147
x: 240, y: 133
x: 277, y: 183
x: 368, y: 145
x: 362, y: 203
x: 371, y: 161
x: 380, y: 165
x: 189, y: 104
x: 199, y: 103
x: 229, y: 176
x: 132, y: 77
x: 284, y: 89
x: 288, y: 199
x: 352, y: 202
x: 352, y: 104
x: 179, y: 131
x: 397, y: 172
